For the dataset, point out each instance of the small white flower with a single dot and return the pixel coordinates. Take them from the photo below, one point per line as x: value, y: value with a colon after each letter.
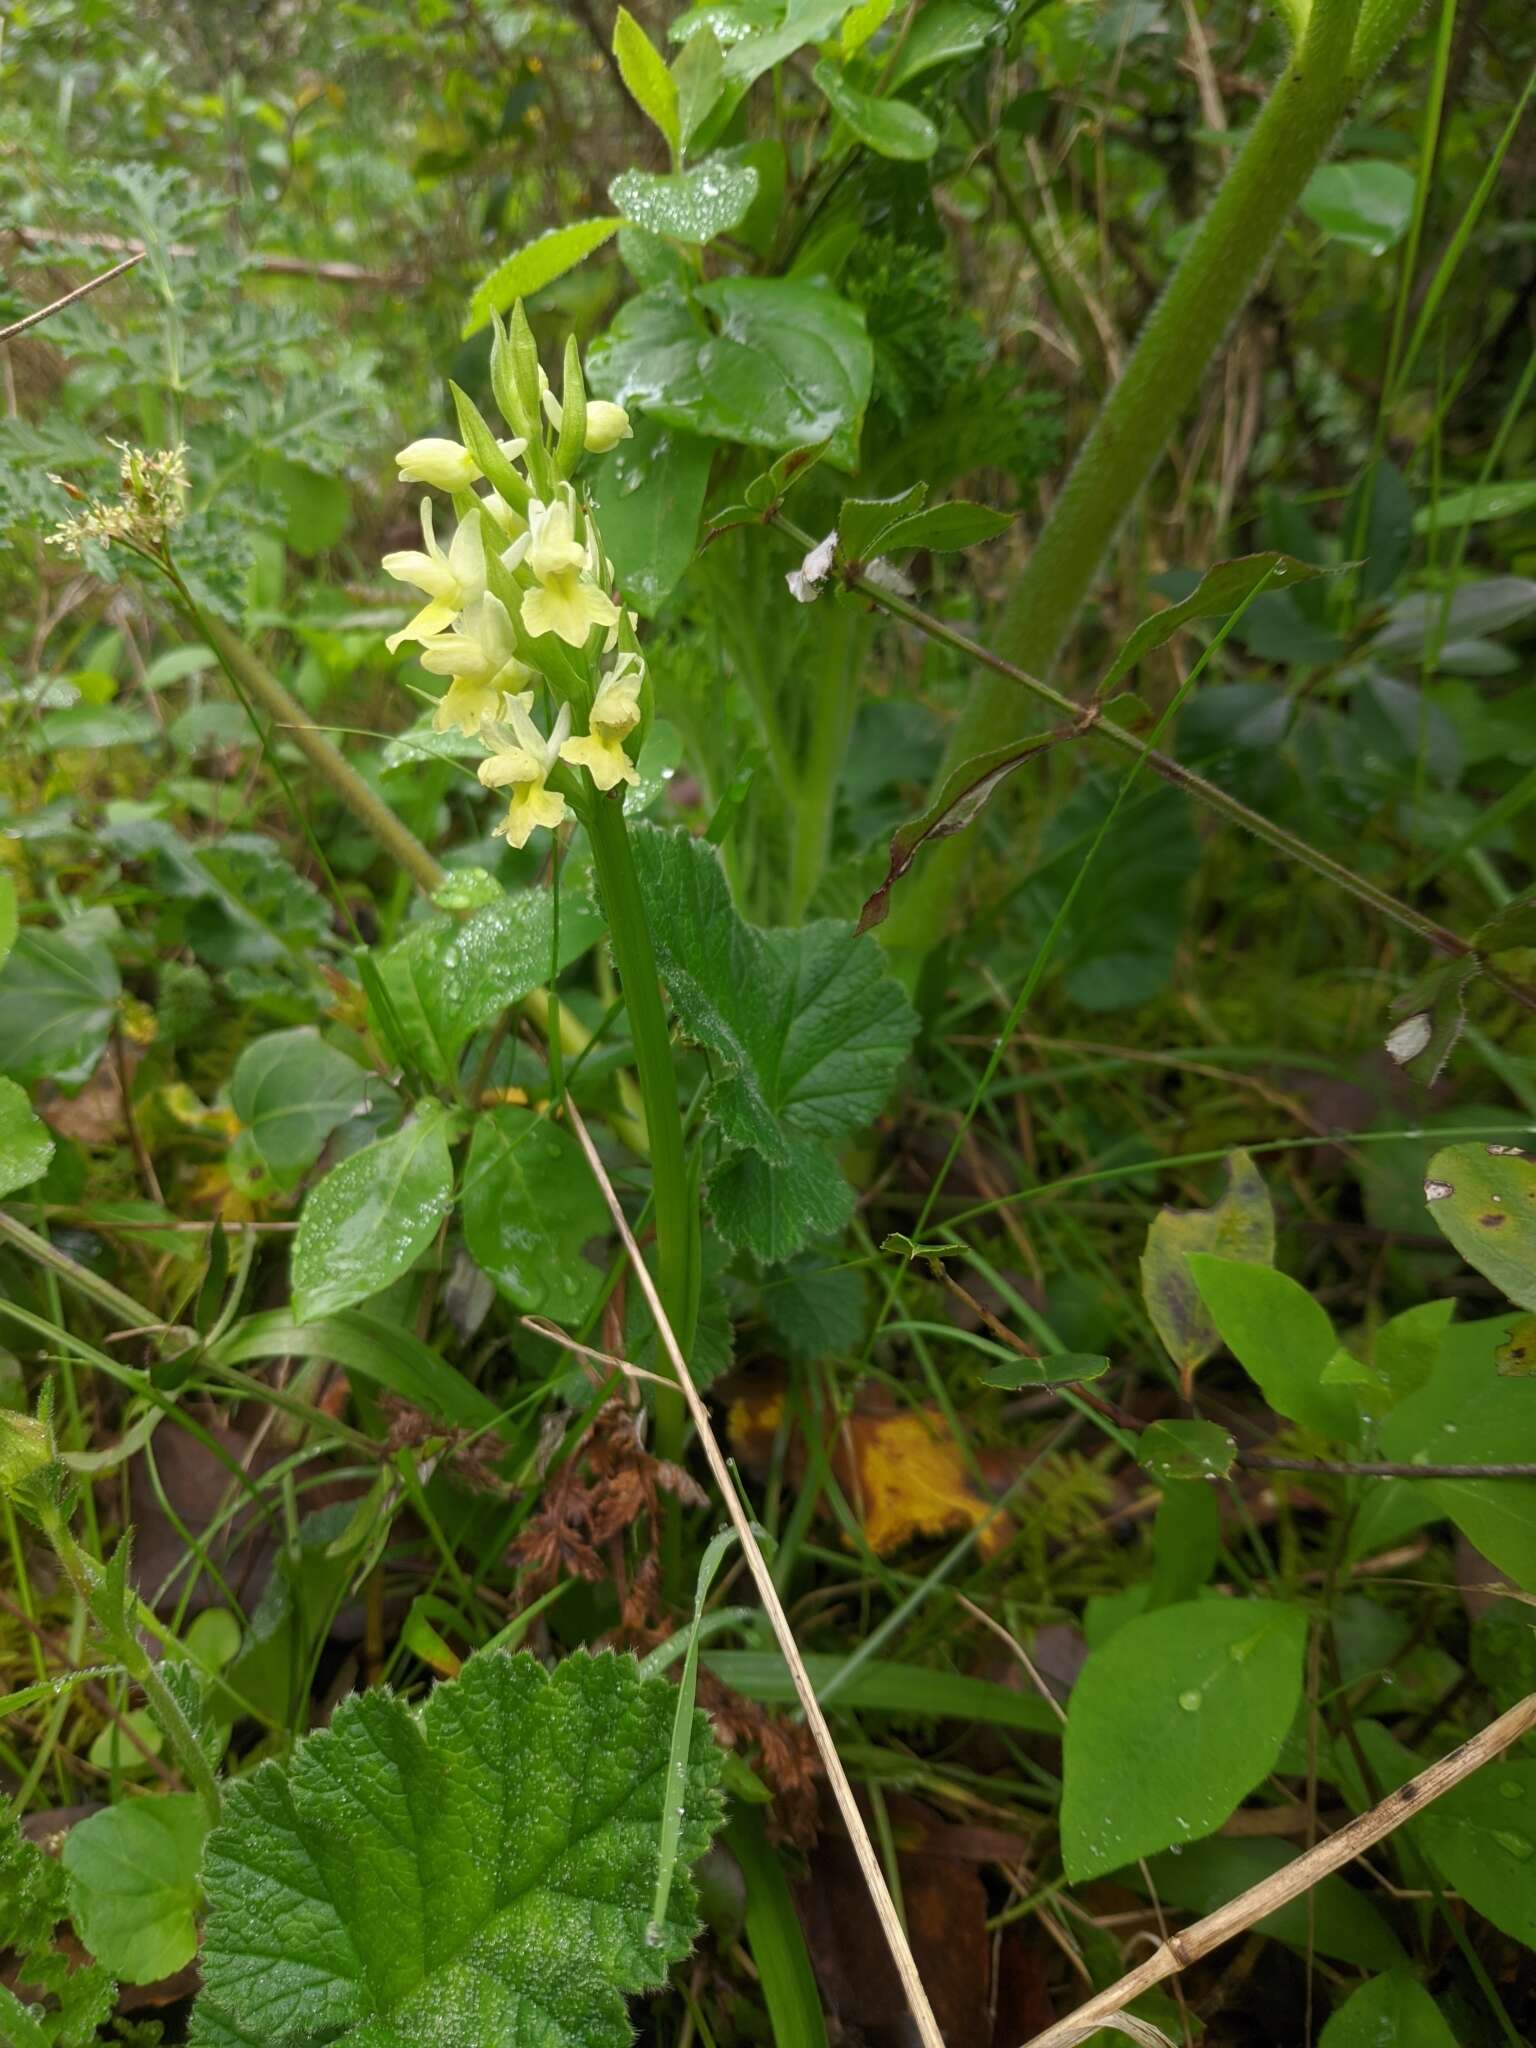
x: 615, y: 714
x: 806, y: 581
x: 450, y: 581
x: 521, y: 761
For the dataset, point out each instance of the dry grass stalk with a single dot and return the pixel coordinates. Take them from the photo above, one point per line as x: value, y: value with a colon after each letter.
x: 816, y: 1721
x: 1239, y: 1914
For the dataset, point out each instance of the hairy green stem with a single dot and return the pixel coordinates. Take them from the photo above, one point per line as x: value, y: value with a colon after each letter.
x: 375, y: 816
x: 1287, y: 843
x: 676, y: 1217
x: 1344, y: 45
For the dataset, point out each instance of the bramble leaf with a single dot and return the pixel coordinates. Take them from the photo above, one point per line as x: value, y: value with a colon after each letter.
x: 482, y: 1869
x: 807, y: 1030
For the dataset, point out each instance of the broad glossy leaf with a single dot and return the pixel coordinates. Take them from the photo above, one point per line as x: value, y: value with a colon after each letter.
x: 644, y: 71
x: 801, y: 22
x: 372, y: 1216
x: 481, y: 1870
x: 1281, y: 1338
x: 699, y: 76
x: 807, y: 1030
x: 1172, y: 1724
x: 1470, y: 1414
x: 1334, y: 1919
x: 760, y: 361
x: 449, y: 978
x: 290, y: 1089
x: 943, y: 32
x: 889, y: 127
x: 133, y: 1884
x: 1482, y: 1837
x: 26, y: 1144
x: 58, y: 996
x: 535, y: 265
x: 648, y: 495
x: 529, y: 1206
x: 1366, y: 204
x: 1240, y: 1224
x: 1483, y: 1198
x: 1392, y: 2011
x: 691, y: 206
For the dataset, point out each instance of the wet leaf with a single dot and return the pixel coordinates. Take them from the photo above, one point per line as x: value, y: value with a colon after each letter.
x: 693, y: 206
x: 1240, y: 1224
x: 530, y: 1204
x: 372, y: 1217
x: 1483, y: 1198
x: 1172, y: 1723
x: 1186, y: 1450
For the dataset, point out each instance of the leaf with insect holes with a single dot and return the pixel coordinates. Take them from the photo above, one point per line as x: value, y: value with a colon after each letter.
x: 1483, y: 1198
x: 1240, y: 1224
x: 806, y: 1029
x: 481, y: 1869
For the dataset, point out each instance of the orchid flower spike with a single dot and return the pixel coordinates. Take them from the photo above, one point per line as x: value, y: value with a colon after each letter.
x: 565, y: 599
x: 615, y: 714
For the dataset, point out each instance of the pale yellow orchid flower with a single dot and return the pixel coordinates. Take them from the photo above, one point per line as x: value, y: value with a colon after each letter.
x: 615, y: 714
x: 451, y: 581
x: 445, y: 464
x: 521, y: 760
x: 481, y: 656
x: 565, y: 600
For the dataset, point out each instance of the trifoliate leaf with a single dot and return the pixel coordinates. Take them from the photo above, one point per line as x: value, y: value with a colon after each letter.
x: 807, y: 1031
x: 482, y: 1870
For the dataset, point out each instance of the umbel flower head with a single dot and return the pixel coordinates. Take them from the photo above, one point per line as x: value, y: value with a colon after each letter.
x: 152, y: 503
x: 521, y: 602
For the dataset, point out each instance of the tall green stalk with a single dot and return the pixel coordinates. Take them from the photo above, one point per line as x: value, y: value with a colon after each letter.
x: 676, y: 1208
x: 1344, y: 44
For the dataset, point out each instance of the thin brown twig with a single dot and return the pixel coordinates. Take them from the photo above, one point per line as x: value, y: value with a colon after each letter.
x: 816, y: 1721
x: 81, y: 291
x: 1239, y: 1914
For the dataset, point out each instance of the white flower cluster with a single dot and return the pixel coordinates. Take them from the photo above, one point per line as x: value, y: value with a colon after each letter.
x: 523, y: 580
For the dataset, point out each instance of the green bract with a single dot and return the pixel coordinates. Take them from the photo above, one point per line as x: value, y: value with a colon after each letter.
x: 478, y: 1871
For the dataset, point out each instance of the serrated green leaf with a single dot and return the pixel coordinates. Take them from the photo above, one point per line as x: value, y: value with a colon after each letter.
x: 644, y: 71
x: 690, y: 206
x: 372, y: 1217
x: 1483, y: 1198
x: 942, y: 529
x: 26, y: 1144
x: 449, y: 978
x: 58, y: 996
x: 863, y: 522
x: 291, y: 1090
x: 1222, y: 590
x: 1172, y: 1723
x: 535, y: 265
x: 529, y: 1205
x: 1240, y: 1224
x: 1392, y: 2011
x: 482, y: 1870
x: 891, y: 128
x: 807, y: 1029
x: 133, y: 1884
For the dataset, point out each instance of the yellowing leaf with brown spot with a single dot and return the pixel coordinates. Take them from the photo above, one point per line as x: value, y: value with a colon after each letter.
x: 1241, y: 1225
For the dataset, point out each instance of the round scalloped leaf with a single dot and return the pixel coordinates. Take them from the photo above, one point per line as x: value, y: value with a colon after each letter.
x: 481, y: 1870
